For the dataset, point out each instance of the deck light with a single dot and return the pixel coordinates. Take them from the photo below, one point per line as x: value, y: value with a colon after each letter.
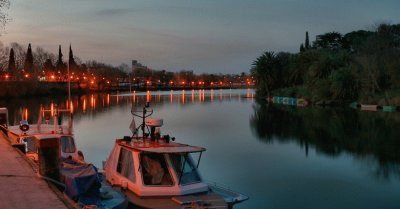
x: 24, y: 125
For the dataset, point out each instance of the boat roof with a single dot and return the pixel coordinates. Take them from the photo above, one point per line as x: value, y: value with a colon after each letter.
x: 160, y: 146
x: 3, y: 110
x: 45, y: 132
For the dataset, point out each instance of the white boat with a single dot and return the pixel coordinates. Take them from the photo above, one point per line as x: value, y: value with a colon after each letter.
x: 53, y: 151
x: 28, y: 137
x: 156, y: 173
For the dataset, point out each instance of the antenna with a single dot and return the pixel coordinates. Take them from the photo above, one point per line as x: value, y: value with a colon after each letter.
x: 145, y: 113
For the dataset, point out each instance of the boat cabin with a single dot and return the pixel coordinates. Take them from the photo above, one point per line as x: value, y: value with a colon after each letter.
x: 157, y: 173
x: 64, y: 145
x: 45, y: 133
x: 155, y: 168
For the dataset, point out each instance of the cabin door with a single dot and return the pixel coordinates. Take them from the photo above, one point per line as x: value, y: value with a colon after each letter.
x: 48, y: 157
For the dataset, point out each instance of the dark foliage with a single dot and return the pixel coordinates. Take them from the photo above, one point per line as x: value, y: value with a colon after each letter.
x: 356, y: 66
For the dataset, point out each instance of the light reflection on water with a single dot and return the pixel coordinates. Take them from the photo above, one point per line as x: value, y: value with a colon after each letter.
x: 92, y: 103
x: 281, y: 157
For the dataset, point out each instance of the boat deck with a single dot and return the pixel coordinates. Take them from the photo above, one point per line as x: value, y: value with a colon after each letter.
x: 20, y: 187
x: 160, y: 146
x: 34, y: 129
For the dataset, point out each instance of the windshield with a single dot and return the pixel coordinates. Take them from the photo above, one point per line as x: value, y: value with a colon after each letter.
x: 67, y: 144
x: 155, y: 171
x: 186, y: 171
x: 125, y: 164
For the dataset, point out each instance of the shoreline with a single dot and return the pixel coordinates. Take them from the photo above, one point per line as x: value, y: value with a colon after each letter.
x: 29, y: 89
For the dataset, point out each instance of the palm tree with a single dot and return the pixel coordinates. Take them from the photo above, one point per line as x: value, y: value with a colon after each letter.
x: 263, y: 70
x: 332, y: 40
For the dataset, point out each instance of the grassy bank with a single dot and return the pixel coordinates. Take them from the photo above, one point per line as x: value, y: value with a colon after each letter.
x: 390, y: 97
x: 14, y: 89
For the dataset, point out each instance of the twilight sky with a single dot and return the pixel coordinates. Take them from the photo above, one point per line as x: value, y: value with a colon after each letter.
x: 200, y: 35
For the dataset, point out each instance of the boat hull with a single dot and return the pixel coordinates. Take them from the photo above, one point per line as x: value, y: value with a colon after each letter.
x: 389, y: 108
x: 369, y: 107
x: 216, y: 197
x: 211, y: 199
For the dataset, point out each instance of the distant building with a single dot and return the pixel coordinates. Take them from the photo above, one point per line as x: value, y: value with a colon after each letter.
x: 138, y: 66
x: 141, y: 73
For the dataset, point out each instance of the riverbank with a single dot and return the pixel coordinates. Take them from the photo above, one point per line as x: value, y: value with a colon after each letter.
x: 383, y: 99
x: 17, y: 89
x: 13, y: 89
x: 20, y: 185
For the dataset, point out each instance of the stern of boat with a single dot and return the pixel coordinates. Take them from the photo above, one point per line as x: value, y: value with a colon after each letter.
x: 231, y: 197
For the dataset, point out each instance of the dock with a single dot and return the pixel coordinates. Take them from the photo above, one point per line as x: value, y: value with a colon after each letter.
x: 20, y: 186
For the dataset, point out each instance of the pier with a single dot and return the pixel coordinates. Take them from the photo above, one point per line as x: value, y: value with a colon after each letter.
x: 20, y: 186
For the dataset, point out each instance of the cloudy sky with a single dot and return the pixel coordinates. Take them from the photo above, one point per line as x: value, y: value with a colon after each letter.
x: 200, y: 35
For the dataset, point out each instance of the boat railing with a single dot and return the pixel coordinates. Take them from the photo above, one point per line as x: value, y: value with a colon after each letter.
x: 230, y: 196
x: 56, y: 115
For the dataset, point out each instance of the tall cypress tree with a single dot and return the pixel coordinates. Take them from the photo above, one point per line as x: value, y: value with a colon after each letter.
x: 307, y: 43
x: 71, y: 60
x: 28, y: 65
x: 60, y: 66
x: 71, y: 55
x: 60, y: 55
x: 11, y: 64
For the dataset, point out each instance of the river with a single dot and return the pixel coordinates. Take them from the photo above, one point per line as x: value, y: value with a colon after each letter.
x: 281, y: 157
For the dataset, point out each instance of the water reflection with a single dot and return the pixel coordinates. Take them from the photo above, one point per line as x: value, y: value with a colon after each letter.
x: 90, y: 105
x: 372, y: 138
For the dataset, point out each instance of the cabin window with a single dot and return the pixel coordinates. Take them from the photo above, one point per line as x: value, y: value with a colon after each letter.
x: 3, y: 119
x: 155, y: 170
x: 30, y: 144
x: 67, y: 144
x: 185, y: 169
x: 125, y: 165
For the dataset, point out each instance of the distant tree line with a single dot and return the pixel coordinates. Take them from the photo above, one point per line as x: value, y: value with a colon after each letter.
x: 187, y: 78
x: 360, y: 65
x: 18, y: 64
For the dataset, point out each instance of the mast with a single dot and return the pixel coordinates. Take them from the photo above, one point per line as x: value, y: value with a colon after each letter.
x: 69, y: 80
x: 70, y: 60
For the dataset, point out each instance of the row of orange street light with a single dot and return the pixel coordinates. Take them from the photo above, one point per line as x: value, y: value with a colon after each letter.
x: 92, y: 79
x: 199, y: 83
x: 53, y: 78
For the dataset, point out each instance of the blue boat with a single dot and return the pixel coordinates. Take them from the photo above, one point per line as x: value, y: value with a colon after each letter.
x: 387, y: 108
x: 275, y: 99
x: 86, y: 186
x: 285, y: 100
x: 292, y: 101
x: 280, y: 100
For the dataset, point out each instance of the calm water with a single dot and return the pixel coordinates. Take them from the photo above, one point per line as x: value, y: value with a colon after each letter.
x: 281, y: 157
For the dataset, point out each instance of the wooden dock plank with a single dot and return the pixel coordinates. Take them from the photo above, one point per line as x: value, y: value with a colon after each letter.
x: 20, y: 187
